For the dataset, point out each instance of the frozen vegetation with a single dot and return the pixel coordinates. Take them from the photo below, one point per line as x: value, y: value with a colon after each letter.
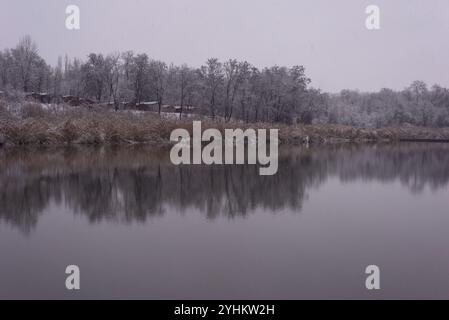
x: 35, y: 124
x: 131, y: 98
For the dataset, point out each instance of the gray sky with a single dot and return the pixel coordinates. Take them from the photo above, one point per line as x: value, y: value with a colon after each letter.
x: 328, y: 37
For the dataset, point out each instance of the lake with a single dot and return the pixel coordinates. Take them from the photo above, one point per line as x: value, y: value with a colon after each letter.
x: 139, y: 227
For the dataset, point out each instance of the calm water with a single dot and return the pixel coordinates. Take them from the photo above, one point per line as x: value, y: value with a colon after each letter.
x: 139, y: 227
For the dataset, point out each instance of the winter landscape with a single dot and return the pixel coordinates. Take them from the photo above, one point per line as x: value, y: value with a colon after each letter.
x: 92, y: 205
x: 127, y: 97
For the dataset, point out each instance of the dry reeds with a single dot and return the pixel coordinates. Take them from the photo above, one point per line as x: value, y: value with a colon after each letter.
x: 63, y: 125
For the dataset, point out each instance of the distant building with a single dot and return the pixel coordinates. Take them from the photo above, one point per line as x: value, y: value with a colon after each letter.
x: 142, y: 106
x: 188, y: 109
x: 147, y: 106
x: 42, y: 97
x: 77, y: 101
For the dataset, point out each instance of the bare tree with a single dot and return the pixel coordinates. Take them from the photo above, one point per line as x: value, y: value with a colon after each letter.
x: 212, y: 76
x: 25, y: 56
x: 236, y: 73
x: 159, y: 81
x: 183, y: 83
x: 113, y: 73
x: 139, y: 76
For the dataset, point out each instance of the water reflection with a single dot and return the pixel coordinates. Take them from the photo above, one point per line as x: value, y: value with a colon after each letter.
x: 129, y: 184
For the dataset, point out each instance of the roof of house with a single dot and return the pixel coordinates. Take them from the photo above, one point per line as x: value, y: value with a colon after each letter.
x: 148, y: 103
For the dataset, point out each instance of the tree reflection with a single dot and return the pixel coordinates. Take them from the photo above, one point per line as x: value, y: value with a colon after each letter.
x: 129, y: 184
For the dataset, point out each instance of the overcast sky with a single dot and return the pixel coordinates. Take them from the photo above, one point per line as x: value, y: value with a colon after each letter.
x: 328, y: 37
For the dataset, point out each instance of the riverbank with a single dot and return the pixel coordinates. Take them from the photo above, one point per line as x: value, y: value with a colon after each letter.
x: 35, y: 125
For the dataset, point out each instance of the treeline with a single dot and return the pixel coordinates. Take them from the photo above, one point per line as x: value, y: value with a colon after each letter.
x: 229, y: 90
x: 416, y: 105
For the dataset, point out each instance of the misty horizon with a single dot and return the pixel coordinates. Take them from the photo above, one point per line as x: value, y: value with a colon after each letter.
x: 330, y: 40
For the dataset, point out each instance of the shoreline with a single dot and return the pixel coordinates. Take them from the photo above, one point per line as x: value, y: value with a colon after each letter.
x: 80, y: 126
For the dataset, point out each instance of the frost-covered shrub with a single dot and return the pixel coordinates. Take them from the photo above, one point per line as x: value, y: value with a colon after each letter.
x: 33, y: 110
